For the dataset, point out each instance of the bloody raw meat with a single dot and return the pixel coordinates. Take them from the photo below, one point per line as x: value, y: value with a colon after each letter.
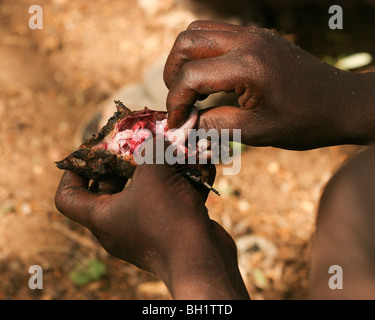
x: 109, y: 153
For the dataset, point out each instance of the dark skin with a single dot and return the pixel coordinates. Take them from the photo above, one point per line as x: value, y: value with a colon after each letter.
x: 345, y: 232
x: 168, y: 233
x: 289, y: 99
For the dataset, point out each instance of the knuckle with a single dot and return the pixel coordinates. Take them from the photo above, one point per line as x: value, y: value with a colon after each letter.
x: 182, y: 40
x: 206, y: 122
x: 196, y: 24
x: 190, y: 42
x: 193, y: 77
x: 188, y: 75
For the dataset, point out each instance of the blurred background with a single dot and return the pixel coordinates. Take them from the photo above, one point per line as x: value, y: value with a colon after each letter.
x: 52, y: 79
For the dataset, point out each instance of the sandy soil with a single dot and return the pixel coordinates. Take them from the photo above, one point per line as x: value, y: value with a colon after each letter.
x: 50, y: 79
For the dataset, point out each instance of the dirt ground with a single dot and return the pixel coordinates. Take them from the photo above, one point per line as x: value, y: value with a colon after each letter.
x: 50, y: 80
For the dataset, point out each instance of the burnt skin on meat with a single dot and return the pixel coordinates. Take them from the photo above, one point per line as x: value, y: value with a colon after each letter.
x: 110, y: 152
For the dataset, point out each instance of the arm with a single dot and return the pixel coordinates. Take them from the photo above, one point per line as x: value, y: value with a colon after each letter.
x: 288, y: 98
x: 168, y: 233
x: 344, y: 234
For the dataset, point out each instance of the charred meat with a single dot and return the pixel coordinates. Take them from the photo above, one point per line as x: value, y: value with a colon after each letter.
x: 110, y: 152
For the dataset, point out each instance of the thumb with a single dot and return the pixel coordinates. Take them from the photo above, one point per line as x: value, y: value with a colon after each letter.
x: 74, y: 200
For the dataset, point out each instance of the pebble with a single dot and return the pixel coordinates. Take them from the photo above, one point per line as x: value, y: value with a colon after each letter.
x: 273, y: 167
x: 243, y: 205
x: 224, y: 187
x: 246, y: 242
x: 307, y: 206
x: 152, y: 7
x: 153, y: 288
x: 26, y: 208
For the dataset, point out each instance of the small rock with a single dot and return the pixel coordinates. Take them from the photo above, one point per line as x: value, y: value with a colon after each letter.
x: 26, y: 208
x: 273, y: 167
x: 224, y: 187
x: 247, y: 242
x: 152, y: 7
x: 243, y: 205
x: 153, y: 288
x: 307, y: 206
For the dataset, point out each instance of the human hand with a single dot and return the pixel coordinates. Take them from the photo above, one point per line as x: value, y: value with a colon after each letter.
x: 288, y: 98
x: 159, y: 223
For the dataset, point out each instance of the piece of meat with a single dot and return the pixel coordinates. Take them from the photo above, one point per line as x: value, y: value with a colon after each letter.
x: 110, y: 152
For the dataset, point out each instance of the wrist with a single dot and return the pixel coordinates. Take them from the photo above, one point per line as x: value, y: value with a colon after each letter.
x: 203, y: 269
x: 355, y: 108
x: 208, y: 277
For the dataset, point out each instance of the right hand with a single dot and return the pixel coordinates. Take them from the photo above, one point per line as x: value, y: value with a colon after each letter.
x: 288, y: 98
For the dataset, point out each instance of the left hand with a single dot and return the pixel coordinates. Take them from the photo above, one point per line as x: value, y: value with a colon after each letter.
x: 159, y: 223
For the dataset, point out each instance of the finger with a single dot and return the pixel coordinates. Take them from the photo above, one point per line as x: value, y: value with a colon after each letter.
x: 254, y: 129
x: 181, y: 134
x: 74, y: 200
x: 199, y: 77
x: 225, y: 117
x: 230, y: 118
x: 112, y: 185
x: 214, y: 25
x: 194, y: 45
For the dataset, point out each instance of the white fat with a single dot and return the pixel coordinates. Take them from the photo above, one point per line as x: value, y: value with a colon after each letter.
x: 160, y: 127
x: 120, y: 139
x: 203, y: 144
x: 180, y: 135
x: 205, y: 155
x: 141, y: 134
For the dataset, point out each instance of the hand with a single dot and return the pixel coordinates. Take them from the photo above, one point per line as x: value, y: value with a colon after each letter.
x: 159, y: 223
x: 288, y: 98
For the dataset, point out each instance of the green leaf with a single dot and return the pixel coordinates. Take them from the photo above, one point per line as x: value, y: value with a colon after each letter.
x: 237, y: 147
x: 260, y: 279
x: 6, y: 209
x: 97, y: 269
x: 88, y: 271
